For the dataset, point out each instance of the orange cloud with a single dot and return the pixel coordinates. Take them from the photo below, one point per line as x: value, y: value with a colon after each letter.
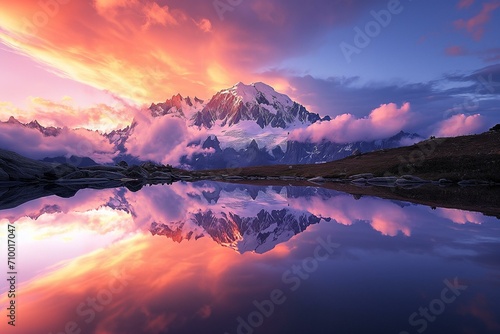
x: 146, y: 50
x: 104, y: 6
x: 65, y: 113
x: 161, y: 15
x: 136, y: 49
x: 138, y: 286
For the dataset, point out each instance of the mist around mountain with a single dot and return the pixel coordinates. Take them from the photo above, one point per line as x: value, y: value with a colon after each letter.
x: 256, y: 218
x: 245, y: 125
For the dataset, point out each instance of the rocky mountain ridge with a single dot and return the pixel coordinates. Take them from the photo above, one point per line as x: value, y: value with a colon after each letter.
x: 247, y: 125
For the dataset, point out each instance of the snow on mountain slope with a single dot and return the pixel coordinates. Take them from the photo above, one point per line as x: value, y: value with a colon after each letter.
x: 234, y: 216
x: 256, y: 92
x: 240, y: 114
x: 177, y: 106
x: 246, y: 125
x: 250, y: 125
x: 257, y: 102
x: 238, y: 137
x: 49, y: 131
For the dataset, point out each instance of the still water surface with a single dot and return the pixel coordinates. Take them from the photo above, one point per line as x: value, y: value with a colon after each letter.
x: 209, y: 257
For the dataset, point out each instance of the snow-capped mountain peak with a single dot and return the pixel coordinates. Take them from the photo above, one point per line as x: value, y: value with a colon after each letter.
x: 258, y: 103
x: 177, y: 106
x: 259, y: 93
x: 49, y: 131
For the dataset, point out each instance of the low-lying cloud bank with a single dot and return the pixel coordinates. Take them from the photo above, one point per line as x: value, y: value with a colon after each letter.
x: 79, y: 142
x: 383, y: 122
x: 460, y: 124
x: 65, y: 113
x: 167, y: 139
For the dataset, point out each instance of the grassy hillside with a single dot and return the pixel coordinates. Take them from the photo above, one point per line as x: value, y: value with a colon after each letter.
x: 456, y: 159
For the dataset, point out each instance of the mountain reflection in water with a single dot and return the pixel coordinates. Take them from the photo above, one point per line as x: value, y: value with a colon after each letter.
x: 198, y: 258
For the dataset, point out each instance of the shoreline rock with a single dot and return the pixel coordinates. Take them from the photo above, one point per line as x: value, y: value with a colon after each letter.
x: 16, y: 168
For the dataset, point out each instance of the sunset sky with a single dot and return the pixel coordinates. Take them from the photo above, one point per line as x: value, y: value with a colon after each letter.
x: 92, y: 60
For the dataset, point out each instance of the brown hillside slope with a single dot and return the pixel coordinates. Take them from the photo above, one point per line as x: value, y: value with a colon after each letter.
x: 457, y: 158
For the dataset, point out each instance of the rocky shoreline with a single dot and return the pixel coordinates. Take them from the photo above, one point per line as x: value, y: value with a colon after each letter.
x: 15, y: 168
x: 472, y: 160
x: 360, y: 180
x: 23, y: 180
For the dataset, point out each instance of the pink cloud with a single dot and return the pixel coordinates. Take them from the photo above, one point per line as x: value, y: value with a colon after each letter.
x: 475, y: 25
x: 460, y: 124
x: 161, y: 15
x: 102, y: 117
x: 205, y: 25
x: 461, y: 217
x: 488, y: 55
x: 165, y: 139
x: 149, y: 204
x: 382, y: 122
x: 385, y: 217
x: 455, y: 50
x: 465, y: 3
x: 33, y: 144
x: 85, y: 200
x: 391, y: 226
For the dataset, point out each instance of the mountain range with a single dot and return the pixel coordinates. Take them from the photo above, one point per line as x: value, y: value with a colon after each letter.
x: 238, y: 224
x: 246, y: 125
